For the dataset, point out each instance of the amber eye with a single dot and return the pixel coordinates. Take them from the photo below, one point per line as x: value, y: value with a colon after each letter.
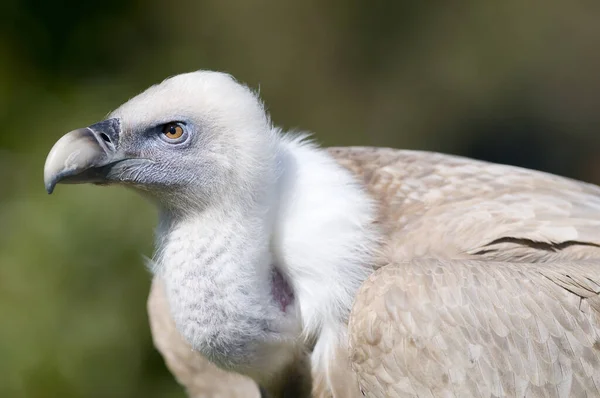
x: 172, y: 131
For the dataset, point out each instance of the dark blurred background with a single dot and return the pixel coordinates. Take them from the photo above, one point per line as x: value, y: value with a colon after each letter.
x: 512, y: 82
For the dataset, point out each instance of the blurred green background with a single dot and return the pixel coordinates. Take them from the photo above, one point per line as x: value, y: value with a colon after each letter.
x: 512, y: 81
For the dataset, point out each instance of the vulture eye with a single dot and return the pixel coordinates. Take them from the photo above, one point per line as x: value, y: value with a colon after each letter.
x: 172, y: 131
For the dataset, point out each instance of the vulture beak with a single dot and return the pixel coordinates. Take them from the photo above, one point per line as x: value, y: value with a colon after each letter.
x: 83, y: 155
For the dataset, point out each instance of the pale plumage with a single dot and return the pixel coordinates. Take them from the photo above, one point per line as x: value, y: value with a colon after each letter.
x: 433, y: 327
x: 429, y: 323
x: 484, y: 278
x: 443, y: 298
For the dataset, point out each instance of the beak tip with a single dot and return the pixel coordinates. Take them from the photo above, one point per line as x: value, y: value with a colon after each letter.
x: 50, y: 179
x: 49, y: 184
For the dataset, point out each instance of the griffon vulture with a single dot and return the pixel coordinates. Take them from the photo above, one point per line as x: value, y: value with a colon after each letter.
x: 348, y: 271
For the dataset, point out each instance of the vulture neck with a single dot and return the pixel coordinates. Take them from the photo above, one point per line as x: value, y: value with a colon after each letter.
x: 314, y: 225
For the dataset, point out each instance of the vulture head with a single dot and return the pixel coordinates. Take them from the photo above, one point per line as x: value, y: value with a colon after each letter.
x: 196, y: 139
x: 263, y: 239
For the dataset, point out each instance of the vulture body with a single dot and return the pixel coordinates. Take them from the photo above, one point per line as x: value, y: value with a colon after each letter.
x: 349, y: 271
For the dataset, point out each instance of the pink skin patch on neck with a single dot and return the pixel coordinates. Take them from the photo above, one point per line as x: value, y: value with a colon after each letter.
x: 281, y: 290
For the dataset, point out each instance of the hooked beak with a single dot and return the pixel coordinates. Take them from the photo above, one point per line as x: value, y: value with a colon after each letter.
x: 84, y: 155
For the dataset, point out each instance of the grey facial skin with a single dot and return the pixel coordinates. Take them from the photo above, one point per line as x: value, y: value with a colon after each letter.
x: 86, y: 155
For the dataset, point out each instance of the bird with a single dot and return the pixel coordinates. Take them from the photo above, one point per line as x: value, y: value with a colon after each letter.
x: 292, y: 270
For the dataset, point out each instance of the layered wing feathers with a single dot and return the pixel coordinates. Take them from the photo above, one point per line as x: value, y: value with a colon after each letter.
x: 488, y: 282
x: 433, y: 327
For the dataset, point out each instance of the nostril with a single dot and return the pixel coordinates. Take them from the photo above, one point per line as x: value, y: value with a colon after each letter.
x: 105, y: 138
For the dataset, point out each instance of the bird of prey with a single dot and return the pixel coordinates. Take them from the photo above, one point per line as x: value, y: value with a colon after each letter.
x: 346, y: 271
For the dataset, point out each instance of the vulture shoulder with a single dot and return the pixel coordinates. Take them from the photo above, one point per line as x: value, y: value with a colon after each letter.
x: 433, y: 204
x: 488, y: 282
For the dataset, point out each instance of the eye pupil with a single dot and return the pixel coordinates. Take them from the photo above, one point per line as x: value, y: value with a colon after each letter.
x: 172, y: 131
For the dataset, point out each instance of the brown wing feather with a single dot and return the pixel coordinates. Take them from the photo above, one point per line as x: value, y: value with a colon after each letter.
x: 433, y: 327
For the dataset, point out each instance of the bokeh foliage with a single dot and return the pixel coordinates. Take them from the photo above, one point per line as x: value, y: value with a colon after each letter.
x: 510, y: 81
